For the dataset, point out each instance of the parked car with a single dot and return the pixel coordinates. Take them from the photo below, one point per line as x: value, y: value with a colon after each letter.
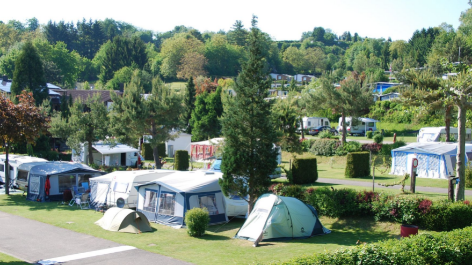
x: 317, y: 130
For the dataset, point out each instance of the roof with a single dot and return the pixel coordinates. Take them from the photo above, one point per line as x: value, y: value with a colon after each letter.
x: 19, y: 159
x: 189, y: 181
x: 106, y: 149
x: 5, y: 86
x: 213, y: 141
x: 51, y: 168
x: 85, y: 94
x: 131, y: 175
x: 432, y: 148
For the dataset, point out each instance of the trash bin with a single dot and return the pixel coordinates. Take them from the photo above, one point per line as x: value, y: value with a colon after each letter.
x: 67, y: 195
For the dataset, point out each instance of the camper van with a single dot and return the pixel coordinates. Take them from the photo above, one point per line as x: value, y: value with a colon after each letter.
x: 434, y: 134
x: 14, y: 161
x: 109, y: 155
x: 310, y: 122
x: 359, y: 126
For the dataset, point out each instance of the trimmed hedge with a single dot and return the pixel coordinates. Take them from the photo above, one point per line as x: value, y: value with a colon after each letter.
x: 442, y: 248
x: 369, y: 134
x: 147, y: 151
x: 304, y: 171
x: 181, y: 160
x: 357, y: 165
x: 197, y: 220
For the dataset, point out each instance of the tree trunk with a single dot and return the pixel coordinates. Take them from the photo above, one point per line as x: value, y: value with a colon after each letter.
x: 460, y: 167
x: 90, y: 156
x: 7, y: 170
x: 250, y: 204
x: 343, y: 120
x: 155, y: 153
x: 447, y: 120
x: 301, y: 126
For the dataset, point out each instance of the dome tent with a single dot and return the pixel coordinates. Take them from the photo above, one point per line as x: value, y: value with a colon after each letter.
x: 281, y: 218
x: 124, y: 220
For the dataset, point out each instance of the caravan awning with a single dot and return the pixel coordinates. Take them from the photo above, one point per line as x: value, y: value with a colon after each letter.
x: 120, y: 148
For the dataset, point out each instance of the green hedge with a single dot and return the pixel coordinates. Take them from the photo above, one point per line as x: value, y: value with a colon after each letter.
x: 386, y: 149
x: 147, y: 151
x: 197, y: 220
x: 441, y: 248
x: 181, y: 160
x: 369, y: 134
x: 304, y: 171
x: 357, y: 165
x: 324, y: 147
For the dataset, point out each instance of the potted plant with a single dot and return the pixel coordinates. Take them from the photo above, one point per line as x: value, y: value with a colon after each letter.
x: 408, y: 219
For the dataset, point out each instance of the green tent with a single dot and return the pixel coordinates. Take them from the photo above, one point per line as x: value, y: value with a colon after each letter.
x: 280, y: 218
x: 124, y: 220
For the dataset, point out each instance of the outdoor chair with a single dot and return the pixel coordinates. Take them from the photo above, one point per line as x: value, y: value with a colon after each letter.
x: 84, y: 201
x: 76, y: 194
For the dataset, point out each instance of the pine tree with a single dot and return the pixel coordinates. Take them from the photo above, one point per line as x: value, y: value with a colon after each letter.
x: 249, y: 156
x: 189, y: 104
x: 29, y: 74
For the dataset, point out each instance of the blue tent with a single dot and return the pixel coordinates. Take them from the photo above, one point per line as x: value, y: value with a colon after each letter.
x: 48, y: 180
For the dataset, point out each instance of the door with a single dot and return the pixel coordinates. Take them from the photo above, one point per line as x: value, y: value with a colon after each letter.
x: 170, y: 150
x: 123, y: 159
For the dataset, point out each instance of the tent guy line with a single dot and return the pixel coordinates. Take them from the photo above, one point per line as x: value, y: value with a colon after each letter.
x: 85, y: 255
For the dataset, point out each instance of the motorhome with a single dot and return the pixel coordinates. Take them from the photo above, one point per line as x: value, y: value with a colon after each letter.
x: 310, y: 122
x: 357, y: 126
x: 14, y: 161
x: 109, y: 155
x: 438, y: 134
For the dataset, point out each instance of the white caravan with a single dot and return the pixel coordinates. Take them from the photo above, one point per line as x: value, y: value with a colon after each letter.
x: 434, y: 134
x: 14, y: 161
x: 359, y: 126
x: 310, y: 122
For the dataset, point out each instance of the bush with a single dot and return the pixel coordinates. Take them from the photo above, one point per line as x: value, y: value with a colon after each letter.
x: 386, y: 149
x: 181, y: 160
x: 325, y: 134
x: 441, y: 248
x: 378, y: 138
x: 325, y: 147
x: 468, y: 177
x: 148, y: 154
x: 357, y: 165
x: 65, y: 157
x: 197, y: 220
x: 398, y: 209
x: 374, y: 147
x: 446, y: 215
x: 295, y: 191
x: 369, y: 134
x: 304, y: 171
x: 333, y: 203
x: 348, y: 147
x: 306, y: 144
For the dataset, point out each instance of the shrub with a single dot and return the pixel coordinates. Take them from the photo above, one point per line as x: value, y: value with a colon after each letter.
x: 357, y: 165
x: 468, y: 177
x: 334, y: 203
x: 369, y: 134
x: 386, y: 149
x: 325, y: 147
x: 378, y: 138
x: 304, y: 171
x: 441, y: 248
x: 65, y: 157
x: 148, y: 153
x: 398, y: 209
x: 348, y: 147
x: 446, y: 215
x: 181, y: 160
x: 197, y: 220
x: 373, y: 147
x: 325, y: 134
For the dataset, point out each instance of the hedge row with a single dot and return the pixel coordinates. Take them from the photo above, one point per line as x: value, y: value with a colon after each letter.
x: 147, y: 151
x: 304, y: 171
x: 440, y: 215
x: 181, y: 160
x: 357, y: 165
x: 441, y: 248
x: 330, y: 147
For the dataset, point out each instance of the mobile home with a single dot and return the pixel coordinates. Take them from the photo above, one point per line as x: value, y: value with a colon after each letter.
x: 14, y: 161
x: 109, y: 155
x: 434, y: 134
x: 359, y: 126
x: 310, y: 122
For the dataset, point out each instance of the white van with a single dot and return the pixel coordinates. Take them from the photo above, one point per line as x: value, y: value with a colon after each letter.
x: 359, y: 126
x: 434, y: 134
x: 14, y: 161
x: 311, y: 122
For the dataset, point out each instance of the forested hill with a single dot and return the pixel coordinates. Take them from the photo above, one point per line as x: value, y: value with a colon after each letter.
x: 109, y: 51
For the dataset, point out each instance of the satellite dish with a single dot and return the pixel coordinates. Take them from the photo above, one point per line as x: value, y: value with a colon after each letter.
x: 120, y: 203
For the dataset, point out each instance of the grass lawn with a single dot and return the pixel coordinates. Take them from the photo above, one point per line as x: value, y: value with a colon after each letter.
x: 217, y: 247
x: 5, y: 259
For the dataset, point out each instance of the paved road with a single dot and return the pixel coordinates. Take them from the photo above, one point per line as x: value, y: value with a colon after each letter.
x: 369, y: 184
x: 41, y: 243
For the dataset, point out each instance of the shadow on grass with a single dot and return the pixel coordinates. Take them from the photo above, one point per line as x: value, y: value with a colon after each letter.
x: 208, y: 237
x: 234, y: 223
x: 14, y: 262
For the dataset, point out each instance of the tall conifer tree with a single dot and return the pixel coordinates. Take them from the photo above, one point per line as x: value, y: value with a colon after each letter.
x: 249, y: 156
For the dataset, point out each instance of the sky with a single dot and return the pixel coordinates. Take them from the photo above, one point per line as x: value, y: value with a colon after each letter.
x: 282, y: 20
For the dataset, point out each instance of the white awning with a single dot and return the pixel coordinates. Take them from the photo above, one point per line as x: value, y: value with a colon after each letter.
x: 119, y: 148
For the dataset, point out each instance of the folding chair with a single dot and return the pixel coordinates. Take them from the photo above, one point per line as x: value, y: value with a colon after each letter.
x: 84, y: 201
x: 75, y: 195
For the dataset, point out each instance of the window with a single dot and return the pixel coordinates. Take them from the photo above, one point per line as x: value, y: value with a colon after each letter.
x: 120, y: 187
x: 326, y: 123
x: 22, y: 175
x: 150, y: 201
x: 209, y: 202
x: 167, y: 202
x: 84, y: 181
x: 370, y: 124
x: 2, y: 168
x: 66, y: 182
